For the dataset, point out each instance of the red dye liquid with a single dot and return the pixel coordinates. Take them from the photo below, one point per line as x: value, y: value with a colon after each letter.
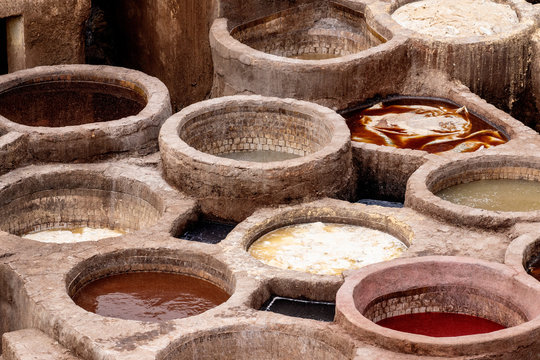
x: 440, y: 324
x: 149, y: 296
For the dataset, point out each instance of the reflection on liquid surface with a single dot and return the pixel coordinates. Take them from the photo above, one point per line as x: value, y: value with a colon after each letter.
x: 149, y: 296
x: 419, y: 124
x: 495, y: 195
x: 321, y: 248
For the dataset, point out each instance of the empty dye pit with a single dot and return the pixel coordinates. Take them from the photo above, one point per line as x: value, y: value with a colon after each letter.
x: 302, y: 308
x: 316, y: 31
x: 459, y: 18
x: 440, y: 324
x: 431, y: 125
x: 149, y: 296
x: 73, y: 235
x: 68, y: 103
x: 325, y: 248
x: 495, y: 195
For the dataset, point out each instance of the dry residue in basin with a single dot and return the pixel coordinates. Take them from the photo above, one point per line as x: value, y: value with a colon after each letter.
x: 457, y: 18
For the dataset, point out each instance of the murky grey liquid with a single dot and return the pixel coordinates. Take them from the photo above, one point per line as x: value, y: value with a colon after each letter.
x: 495, y: 195
x: 314, y: 56
x: 259, y: 156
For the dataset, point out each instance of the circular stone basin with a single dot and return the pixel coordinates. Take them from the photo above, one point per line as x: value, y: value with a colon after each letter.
x: 196, y: 142
x: 316, y: 31
x: 485, y: 190
x: 428, y: 124
x: 62, y: 204
x: 149, y: 296
x: 436, y: 288
x: 459, y: 18
x: 150, y: 285
x: 325, y: 248
x: 76, y: 112
x: 68, y: 102
x: 271, y: 342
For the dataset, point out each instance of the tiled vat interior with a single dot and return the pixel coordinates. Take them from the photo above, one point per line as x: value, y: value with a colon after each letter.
x: 38, y: 279
x: 249, y: 128
x: 317, y: 28
x: 78, y: 200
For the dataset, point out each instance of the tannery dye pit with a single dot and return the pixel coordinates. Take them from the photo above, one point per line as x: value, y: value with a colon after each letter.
x: 422, y: 124
x: 68, y: 103
x: 149, y: 296
x: 267, y: 180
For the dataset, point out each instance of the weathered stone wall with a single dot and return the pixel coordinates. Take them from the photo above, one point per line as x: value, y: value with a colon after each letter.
x: 53, y: 30
x: 167, y: 39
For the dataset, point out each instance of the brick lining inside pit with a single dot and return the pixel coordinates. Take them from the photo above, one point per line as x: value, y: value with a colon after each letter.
x: 71, y: 206
x: 447, y: 299
x: 308, y: 30
x: 261, y: 345
x: 451, y: 175
x: 240, y: 129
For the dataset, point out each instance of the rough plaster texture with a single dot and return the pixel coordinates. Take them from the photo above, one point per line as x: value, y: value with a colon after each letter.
x: 137, y: 133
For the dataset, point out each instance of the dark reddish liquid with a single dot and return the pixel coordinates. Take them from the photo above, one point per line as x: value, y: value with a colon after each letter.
x: 66, y: 103
x: 440, y: 324
x: 533, y: 267
x: 149, y: 296
x: 478, y: 135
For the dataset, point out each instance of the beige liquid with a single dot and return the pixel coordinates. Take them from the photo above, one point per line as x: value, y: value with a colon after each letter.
x: 73, y: 235
x: 259, y: 156
x: 496, y: 195
x: 457, y: 18
x: 314, y: 56
x: 321, y: 248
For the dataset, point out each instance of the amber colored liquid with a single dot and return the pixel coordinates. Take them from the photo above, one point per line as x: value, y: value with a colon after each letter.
x: 440, y: 324
x: 66, y: 103
x: 428, y: 125
x: 149, y: 296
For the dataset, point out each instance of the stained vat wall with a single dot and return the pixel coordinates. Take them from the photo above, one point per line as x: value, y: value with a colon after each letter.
x: 163, y: 38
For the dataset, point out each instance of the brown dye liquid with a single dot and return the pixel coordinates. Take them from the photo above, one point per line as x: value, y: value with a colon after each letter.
x: 149, y: 296
x: 66, y: 103
x: 495, y: 195
x: 422, y: 124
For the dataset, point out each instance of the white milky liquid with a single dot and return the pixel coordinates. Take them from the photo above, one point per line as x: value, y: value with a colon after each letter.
x: 322, y: 248
x: 72, y: 235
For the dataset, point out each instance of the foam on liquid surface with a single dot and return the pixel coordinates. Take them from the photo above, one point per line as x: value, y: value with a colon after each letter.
x: 73, y: 235
x: 325, y: 248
